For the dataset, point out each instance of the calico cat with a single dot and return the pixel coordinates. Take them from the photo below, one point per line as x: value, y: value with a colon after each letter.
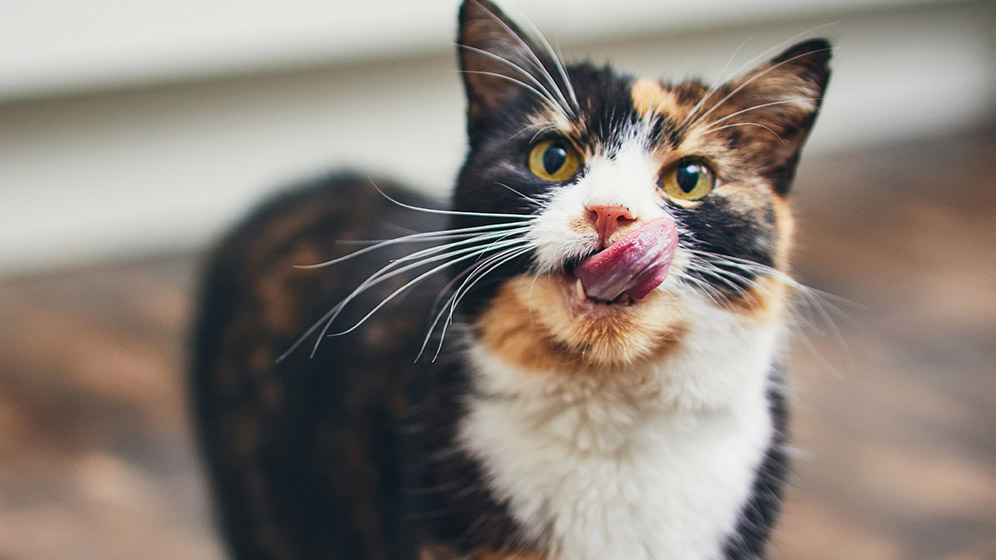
x: 606, y: 302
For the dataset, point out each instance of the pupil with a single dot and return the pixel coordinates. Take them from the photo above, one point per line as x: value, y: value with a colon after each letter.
x: 688, y: 177
x: 554, y: 158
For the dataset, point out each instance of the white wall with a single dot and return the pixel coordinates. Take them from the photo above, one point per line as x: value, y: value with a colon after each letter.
x: 129, y: 127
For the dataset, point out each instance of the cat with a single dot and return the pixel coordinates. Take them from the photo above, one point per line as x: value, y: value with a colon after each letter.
x: 598, y: 319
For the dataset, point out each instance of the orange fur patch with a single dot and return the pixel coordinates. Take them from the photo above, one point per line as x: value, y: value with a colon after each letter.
x: 537, y: 324
x: 763, y: 301
x: 785, y: 224
x: 551, y: 121
x: 650, y: 97
x: 582, y: 224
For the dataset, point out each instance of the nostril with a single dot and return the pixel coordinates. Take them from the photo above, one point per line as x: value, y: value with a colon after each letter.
x: 610, y: 213
x: 594, y: 218
x: 607, y: 219
x: 621, y: 216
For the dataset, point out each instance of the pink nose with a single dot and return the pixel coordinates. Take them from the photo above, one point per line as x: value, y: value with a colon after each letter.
x: 608, y: 219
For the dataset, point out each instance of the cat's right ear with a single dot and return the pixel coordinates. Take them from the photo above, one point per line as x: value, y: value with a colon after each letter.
x: 778, y: 102
x: 498, y: 61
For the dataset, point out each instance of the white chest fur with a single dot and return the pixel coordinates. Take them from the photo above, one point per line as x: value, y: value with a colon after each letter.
x: 638, y: 470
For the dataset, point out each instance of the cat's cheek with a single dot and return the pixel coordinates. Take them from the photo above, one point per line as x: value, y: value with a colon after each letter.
x: 762, y: 303
x: 561, y: 232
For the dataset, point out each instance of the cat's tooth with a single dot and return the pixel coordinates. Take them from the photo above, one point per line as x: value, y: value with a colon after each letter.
x: 579, y: 290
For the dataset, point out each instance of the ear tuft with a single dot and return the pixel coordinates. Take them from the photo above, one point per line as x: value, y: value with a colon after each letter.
x: 818, y: 52
x: 498, y: 61
x: 481, y: 39
x: 809, y: 62
x: 776, y: 105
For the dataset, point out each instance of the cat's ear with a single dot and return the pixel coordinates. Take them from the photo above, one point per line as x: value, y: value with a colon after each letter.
x: 777, y: 105
x: 499, y: 60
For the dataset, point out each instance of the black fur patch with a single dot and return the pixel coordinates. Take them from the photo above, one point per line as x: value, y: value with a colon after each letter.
x: 725, y: 231
x: 759, y: 514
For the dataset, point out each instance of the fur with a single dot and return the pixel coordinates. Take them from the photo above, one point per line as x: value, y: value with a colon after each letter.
x: 540, y: 423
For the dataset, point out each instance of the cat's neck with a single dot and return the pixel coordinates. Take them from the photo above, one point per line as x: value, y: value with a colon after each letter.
x: 605, y: 466
x: 722, y: 357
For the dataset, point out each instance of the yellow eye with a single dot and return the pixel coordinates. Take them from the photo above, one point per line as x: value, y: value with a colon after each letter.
x: 689, y: 180
x: 554, y: 160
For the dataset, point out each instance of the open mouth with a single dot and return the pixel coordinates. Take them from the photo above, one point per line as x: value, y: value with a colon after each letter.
x: 628, y: 270
x: 577, y: 289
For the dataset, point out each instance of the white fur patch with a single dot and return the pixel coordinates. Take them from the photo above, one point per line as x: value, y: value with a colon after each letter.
x: 652, y: 464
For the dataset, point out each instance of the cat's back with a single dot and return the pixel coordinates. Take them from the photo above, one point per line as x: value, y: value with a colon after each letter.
x: 304, y: 452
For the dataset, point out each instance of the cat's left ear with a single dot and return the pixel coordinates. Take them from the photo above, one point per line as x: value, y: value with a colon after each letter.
x: 777, y: 105
x: 500, y: 61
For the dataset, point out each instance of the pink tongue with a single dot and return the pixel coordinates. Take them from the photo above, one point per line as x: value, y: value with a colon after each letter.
x: 635, y: 264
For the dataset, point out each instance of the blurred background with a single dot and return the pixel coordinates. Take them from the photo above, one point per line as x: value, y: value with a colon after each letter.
x: 132, y: 134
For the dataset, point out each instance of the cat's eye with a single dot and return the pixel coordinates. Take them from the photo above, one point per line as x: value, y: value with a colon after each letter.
x: 688, y: 180
x: 554, y: 160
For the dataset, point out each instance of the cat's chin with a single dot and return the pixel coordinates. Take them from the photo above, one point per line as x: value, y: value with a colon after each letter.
x: 544, y: 323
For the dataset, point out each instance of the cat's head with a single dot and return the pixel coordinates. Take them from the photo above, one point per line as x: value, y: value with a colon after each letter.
x: 651, y: 206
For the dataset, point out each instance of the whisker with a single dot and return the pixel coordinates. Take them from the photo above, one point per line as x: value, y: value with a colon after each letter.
x: 450, y: 212
x: 734, y: 125
x: 542, y: 89
x: 467, y: 272
x: 736, y: 261
x: 483, y: 270
x: 435, y: 308
x: 812, y: 299
x: 704, y: 286
x: 538, y: 130
x: 782, y: 45
x: 728, y: 279
x: 529, y: 198
x: 429, y: 251
x: 479, y: 272
x: 478, y: 239
x: 536, y: 62
x: 558, y: 57
x: 716, y: 83
x: 707, y: 264
x: 381, y: 275
x: 451, y: 283
x: 815, y: 300
x: 761, y: 106
x: 416, y: 280
x: 535, y: 33
x: 424, y: 237
x: 752, y: 62
x: 752, y: 79
x: 755, y: 107
x: 300, y: 340
x: 549, y: 102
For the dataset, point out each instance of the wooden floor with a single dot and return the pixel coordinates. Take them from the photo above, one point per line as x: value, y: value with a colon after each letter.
x: 894, y: 406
